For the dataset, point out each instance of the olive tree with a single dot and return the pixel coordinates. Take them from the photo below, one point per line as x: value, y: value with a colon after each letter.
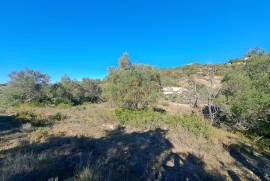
x: 27, y: 86
x: 74, y: 92
x: 133, y: 86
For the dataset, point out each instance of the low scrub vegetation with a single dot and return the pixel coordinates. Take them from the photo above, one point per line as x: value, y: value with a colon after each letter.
x: 150, y: 119
x: 38, y: 119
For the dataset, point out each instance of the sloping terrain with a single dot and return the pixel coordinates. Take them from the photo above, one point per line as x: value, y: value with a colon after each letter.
x: 88, y: 143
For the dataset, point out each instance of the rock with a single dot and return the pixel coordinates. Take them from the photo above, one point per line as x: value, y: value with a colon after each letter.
x: 170, y: 163
x: 108, y: 126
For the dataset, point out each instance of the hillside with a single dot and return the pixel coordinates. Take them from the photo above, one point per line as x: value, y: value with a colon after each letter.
x: 179, y: 83
x: 139, y: 124
x: 83, y: 135
x: 173, y: 76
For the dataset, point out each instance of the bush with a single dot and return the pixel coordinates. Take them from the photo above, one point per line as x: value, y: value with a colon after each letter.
x: 38, y: 119
x: 149, y: 119
x: 247, y: 94
x: 26, y: 86
x: 192, y: 123
x: 145, y: 118
x: 133, y: 87
x: 72, y: 92
x: 31, y: 117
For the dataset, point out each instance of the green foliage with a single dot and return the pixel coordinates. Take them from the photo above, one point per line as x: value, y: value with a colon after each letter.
x: 145, y: 118
x: 66, y: 91
x: 39, y: 119
x: 26, y: 86
x: 33, y: 118
x: 91, y: 90
x: 72, y: 92
x: 149, y: 119
x: 192, y: 123
x: 32, y: 87
x: 247, y: 92
x: 133, y: 86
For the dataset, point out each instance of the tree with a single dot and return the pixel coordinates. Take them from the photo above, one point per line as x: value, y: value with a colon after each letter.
x: 133, y: 86
x: 247, y: 92
x: 27, y: 86
x: 91, y: 90
x: 211, y: 94
x: 125, y: 62
x: 75, y: 92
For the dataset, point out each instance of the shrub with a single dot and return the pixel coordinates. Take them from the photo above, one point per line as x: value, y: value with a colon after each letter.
x: 35, y: 119
x: 38, y: 119
x: 91, y: 90
x: 145, y: 118
x: 149, y: 119
x: 73, y: 92
x: 192, y: 123
x: 26, y: 86
x: 247, y: 94
x: 133, y: 86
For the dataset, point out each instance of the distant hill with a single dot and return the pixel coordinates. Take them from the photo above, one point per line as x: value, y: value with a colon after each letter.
x: 178, y: 83
x: 173, y: 76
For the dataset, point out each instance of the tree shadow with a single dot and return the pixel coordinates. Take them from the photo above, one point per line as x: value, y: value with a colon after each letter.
x: 116, y: 156
x: 258, y: 163
x: 9, y: 125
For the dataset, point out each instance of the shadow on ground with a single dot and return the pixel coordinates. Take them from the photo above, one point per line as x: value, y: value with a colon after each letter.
x: 116, y: 156
x: 8, y: 125
x: 258, y: 163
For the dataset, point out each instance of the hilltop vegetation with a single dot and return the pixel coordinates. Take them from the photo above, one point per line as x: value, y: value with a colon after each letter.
x: 126, y: 127
x: 245, y: 95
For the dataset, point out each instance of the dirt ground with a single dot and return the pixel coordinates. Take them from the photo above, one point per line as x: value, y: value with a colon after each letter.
x: 91, y: 137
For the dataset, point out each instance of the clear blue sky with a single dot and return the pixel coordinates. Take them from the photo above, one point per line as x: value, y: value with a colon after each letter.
x: 83, y: 38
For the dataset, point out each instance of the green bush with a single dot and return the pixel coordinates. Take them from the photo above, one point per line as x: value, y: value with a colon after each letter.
x: 73, y: 92
x: 32, y: 87
x: 32, y: 117
x: 38, y: 119
x: 26, y: 86
x: 133, y: 86
x: 144, y: 118
x: 192, y: 123
x: 149, y: 119
x: 247, y: 94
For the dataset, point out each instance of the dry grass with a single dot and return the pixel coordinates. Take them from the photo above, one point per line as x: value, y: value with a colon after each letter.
x: 187, y: 138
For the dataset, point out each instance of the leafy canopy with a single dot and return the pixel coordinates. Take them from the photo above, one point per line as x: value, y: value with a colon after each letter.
x: 247, y: 92
x: 133, y: 86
